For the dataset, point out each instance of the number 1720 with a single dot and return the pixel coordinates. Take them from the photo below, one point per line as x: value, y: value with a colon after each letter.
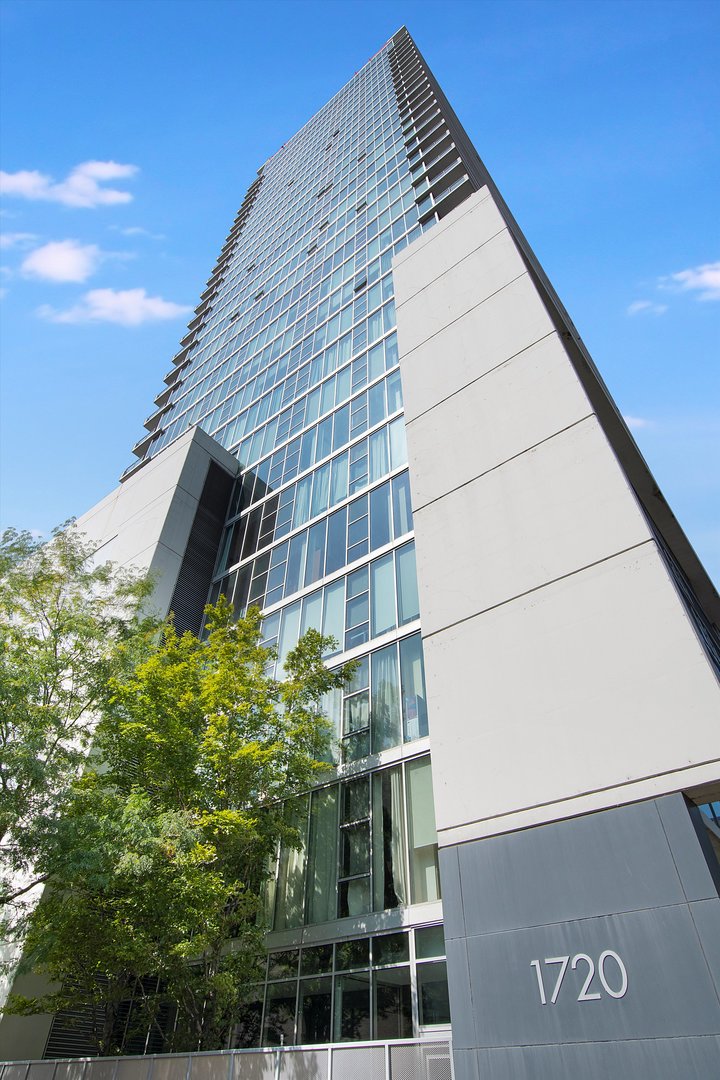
x: 586, y: 994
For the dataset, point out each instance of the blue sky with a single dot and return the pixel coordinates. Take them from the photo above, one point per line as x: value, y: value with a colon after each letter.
x: 598, y: 121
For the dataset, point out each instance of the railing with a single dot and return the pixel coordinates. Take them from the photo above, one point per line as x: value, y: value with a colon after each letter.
x: 399, y: 1059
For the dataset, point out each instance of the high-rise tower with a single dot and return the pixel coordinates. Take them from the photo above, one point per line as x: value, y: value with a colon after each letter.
x: 379, y: 362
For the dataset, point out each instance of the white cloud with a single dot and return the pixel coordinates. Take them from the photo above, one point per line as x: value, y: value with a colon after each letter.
x: 128, y: 307
x: 647, y: 307
x: 635, y: 423
x: 81, y: 187
x: 17, y: 239
x: 62, y: 260
x: 704, y: 279
x: 137, y: 230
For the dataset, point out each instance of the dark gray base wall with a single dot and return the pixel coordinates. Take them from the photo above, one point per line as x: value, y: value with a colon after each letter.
x: 614, y: 920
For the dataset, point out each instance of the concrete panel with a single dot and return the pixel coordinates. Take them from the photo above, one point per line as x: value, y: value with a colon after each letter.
x: 669, y: 989
x: 661, y: 1059
x: 465, y: 1064
x: 546, y: 397
x: 476, y: 221
x: 462, y: 1006
x: 146, y: 521
x: 453, y: 910
x: 547, y: 513
x: 494, y: 330
x: 25, y: 1036
x: 706, y: 916
x: 464, y: 286
x: 588, y: 677
x: 574, y: 868
x: 695, y: 876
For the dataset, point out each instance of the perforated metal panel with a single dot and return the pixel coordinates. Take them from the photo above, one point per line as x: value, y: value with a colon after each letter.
x: 254, y: 1065
x: 41, y: 1070
x: 135, y: 1068
x: 423, y: 1061
x: 171, y: 1067
x: 72, y: 1070
x: 304, y: 1065
x: 13, y: 1072
x: 99, y: 1069
x: 358, y: 1063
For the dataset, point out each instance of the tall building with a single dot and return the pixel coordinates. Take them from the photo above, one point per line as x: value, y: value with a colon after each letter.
x: 381, y: 423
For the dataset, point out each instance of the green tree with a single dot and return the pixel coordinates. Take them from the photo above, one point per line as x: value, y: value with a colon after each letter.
x: 68, y: 624
x: 159, y: 866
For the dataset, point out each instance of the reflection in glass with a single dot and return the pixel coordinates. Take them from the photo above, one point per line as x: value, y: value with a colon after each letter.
x: 412, y: 676
x: 382, y: 591
x: 390, y: 949
x: 282, y: 964
x: 314, y: 1010
x: 407, y: 588
x: 429, y: 941
x: 433, y: 993
x: 316, y: 960
x: 279, y: 1026
x: 352, y: 954
x: 352, y: 1007
x: 356, y: 800
x: 393, y: 1004
x: 248, y: 1025
x: 402, y: 513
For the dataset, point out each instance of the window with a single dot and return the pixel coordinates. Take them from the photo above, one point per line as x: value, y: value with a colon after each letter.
x: 367, y: 843
x: 374, y: 987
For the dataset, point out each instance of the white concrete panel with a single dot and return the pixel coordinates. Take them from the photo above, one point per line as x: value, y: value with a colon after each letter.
x: 146, y: 521
x: 590, y: 686
x: 476, y: 221
x: 494, y: 330
x: 539, y: 386
x: 464, y: 286
x: 552, y: 510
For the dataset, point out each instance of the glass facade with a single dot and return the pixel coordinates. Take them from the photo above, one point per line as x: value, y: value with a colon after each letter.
x: 291, y: 363
x: 381, y: 986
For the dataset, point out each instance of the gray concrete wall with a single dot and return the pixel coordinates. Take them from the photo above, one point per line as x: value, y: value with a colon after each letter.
x: 146, y: 521
x: 633, y: 881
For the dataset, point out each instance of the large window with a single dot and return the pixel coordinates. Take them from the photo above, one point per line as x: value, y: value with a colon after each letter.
x: 388, y: 986
x: 349, y: 534
x: 369, y: 844
x: 384, y: 705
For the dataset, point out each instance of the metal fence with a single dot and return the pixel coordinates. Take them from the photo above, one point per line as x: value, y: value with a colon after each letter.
x: 401, y: 1059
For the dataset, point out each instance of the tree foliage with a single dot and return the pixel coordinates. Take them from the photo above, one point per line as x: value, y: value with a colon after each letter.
x: 68, y: 624
x: 157, y: 866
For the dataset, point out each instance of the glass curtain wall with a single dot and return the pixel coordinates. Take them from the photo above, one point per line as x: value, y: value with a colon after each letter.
x: 292, y: 365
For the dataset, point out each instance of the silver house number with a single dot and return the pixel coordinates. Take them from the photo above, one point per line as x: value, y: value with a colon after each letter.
x: 611, y: 972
